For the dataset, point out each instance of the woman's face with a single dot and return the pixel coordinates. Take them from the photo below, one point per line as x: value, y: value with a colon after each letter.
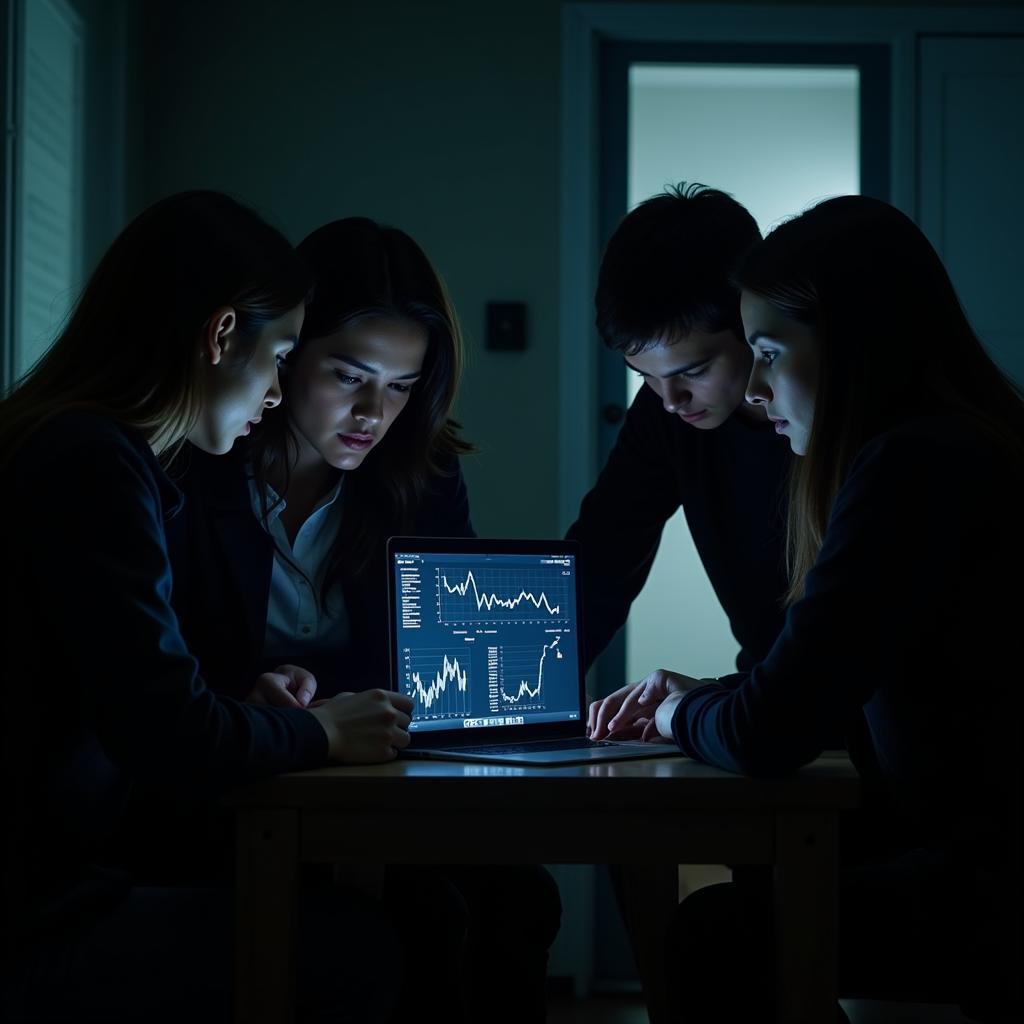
x: 346, y: 389
x: 699, y: 378
x: 784, y: 377
x: 238, y: 377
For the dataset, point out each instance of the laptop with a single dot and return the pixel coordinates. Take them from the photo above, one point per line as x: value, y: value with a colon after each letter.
x: 485, y: 639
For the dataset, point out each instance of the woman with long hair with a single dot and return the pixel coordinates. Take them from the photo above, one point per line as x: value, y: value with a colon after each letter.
x: 280, y: 563
x: 902, y: 549
x: 177, y: 337
x: 280, y: 554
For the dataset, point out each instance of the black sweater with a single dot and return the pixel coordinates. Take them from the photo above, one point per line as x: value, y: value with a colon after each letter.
x: 731, y: 485
x: 102, y: 690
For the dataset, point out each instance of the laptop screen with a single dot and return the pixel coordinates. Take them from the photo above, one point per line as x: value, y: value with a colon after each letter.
x: 485, y: 639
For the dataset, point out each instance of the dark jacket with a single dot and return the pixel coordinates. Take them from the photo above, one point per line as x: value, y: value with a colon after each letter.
x: 910, y: 621
x: 102, y: 690
x: 731, y: 484
x: 223, y: 558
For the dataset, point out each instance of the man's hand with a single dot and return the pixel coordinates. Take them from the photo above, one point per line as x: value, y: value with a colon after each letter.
x: 288, y: 686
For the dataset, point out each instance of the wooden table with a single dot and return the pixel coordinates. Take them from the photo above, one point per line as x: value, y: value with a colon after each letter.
x: 659, y: 812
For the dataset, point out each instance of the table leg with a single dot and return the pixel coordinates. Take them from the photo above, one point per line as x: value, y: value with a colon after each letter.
x: 266, y: 898
x: 650, y: 897
x: 806, y: 916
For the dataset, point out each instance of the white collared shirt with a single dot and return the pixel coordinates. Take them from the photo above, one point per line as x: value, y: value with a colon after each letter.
x: 297, y: 621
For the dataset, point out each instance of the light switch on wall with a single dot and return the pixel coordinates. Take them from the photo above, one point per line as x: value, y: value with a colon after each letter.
x: 506, y: 326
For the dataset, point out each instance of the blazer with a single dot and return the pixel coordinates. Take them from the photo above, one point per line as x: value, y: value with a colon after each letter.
x: 103, y: 693
x: 223, y: 558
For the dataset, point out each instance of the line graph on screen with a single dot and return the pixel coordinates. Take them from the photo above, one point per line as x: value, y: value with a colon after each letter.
x: 439, y: 682
x: 510, y: 596
x: 524, y: 669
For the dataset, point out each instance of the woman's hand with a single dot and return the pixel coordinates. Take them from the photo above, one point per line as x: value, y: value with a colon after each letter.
x: 365, y: 728
x: 640, y: 710
x: 288, y: 686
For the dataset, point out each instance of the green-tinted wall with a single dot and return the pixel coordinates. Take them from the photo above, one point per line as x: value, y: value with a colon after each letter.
x: 440, y: 117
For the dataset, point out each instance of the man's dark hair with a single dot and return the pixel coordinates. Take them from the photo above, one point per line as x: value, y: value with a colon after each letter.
x: 667, y: 269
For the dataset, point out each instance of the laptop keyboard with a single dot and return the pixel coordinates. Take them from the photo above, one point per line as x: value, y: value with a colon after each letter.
x: 538, y: 746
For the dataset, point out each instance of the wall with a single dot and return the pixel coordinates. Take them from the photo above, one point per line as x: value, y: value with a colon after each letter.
x: 442, y: 118
x: 439, y: 118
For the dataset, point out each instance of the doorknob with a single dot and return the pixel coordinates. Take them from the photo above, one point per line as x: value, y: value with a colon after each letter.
x: 613, y: 413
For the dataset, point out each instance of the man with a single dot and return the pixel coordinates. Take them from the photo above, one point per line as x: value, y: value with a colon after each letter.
x: 666, y: 302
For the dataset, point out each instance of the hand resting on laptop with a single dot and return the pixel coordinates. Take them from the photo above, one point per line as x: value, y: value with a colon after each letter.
x: 640, y: 710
